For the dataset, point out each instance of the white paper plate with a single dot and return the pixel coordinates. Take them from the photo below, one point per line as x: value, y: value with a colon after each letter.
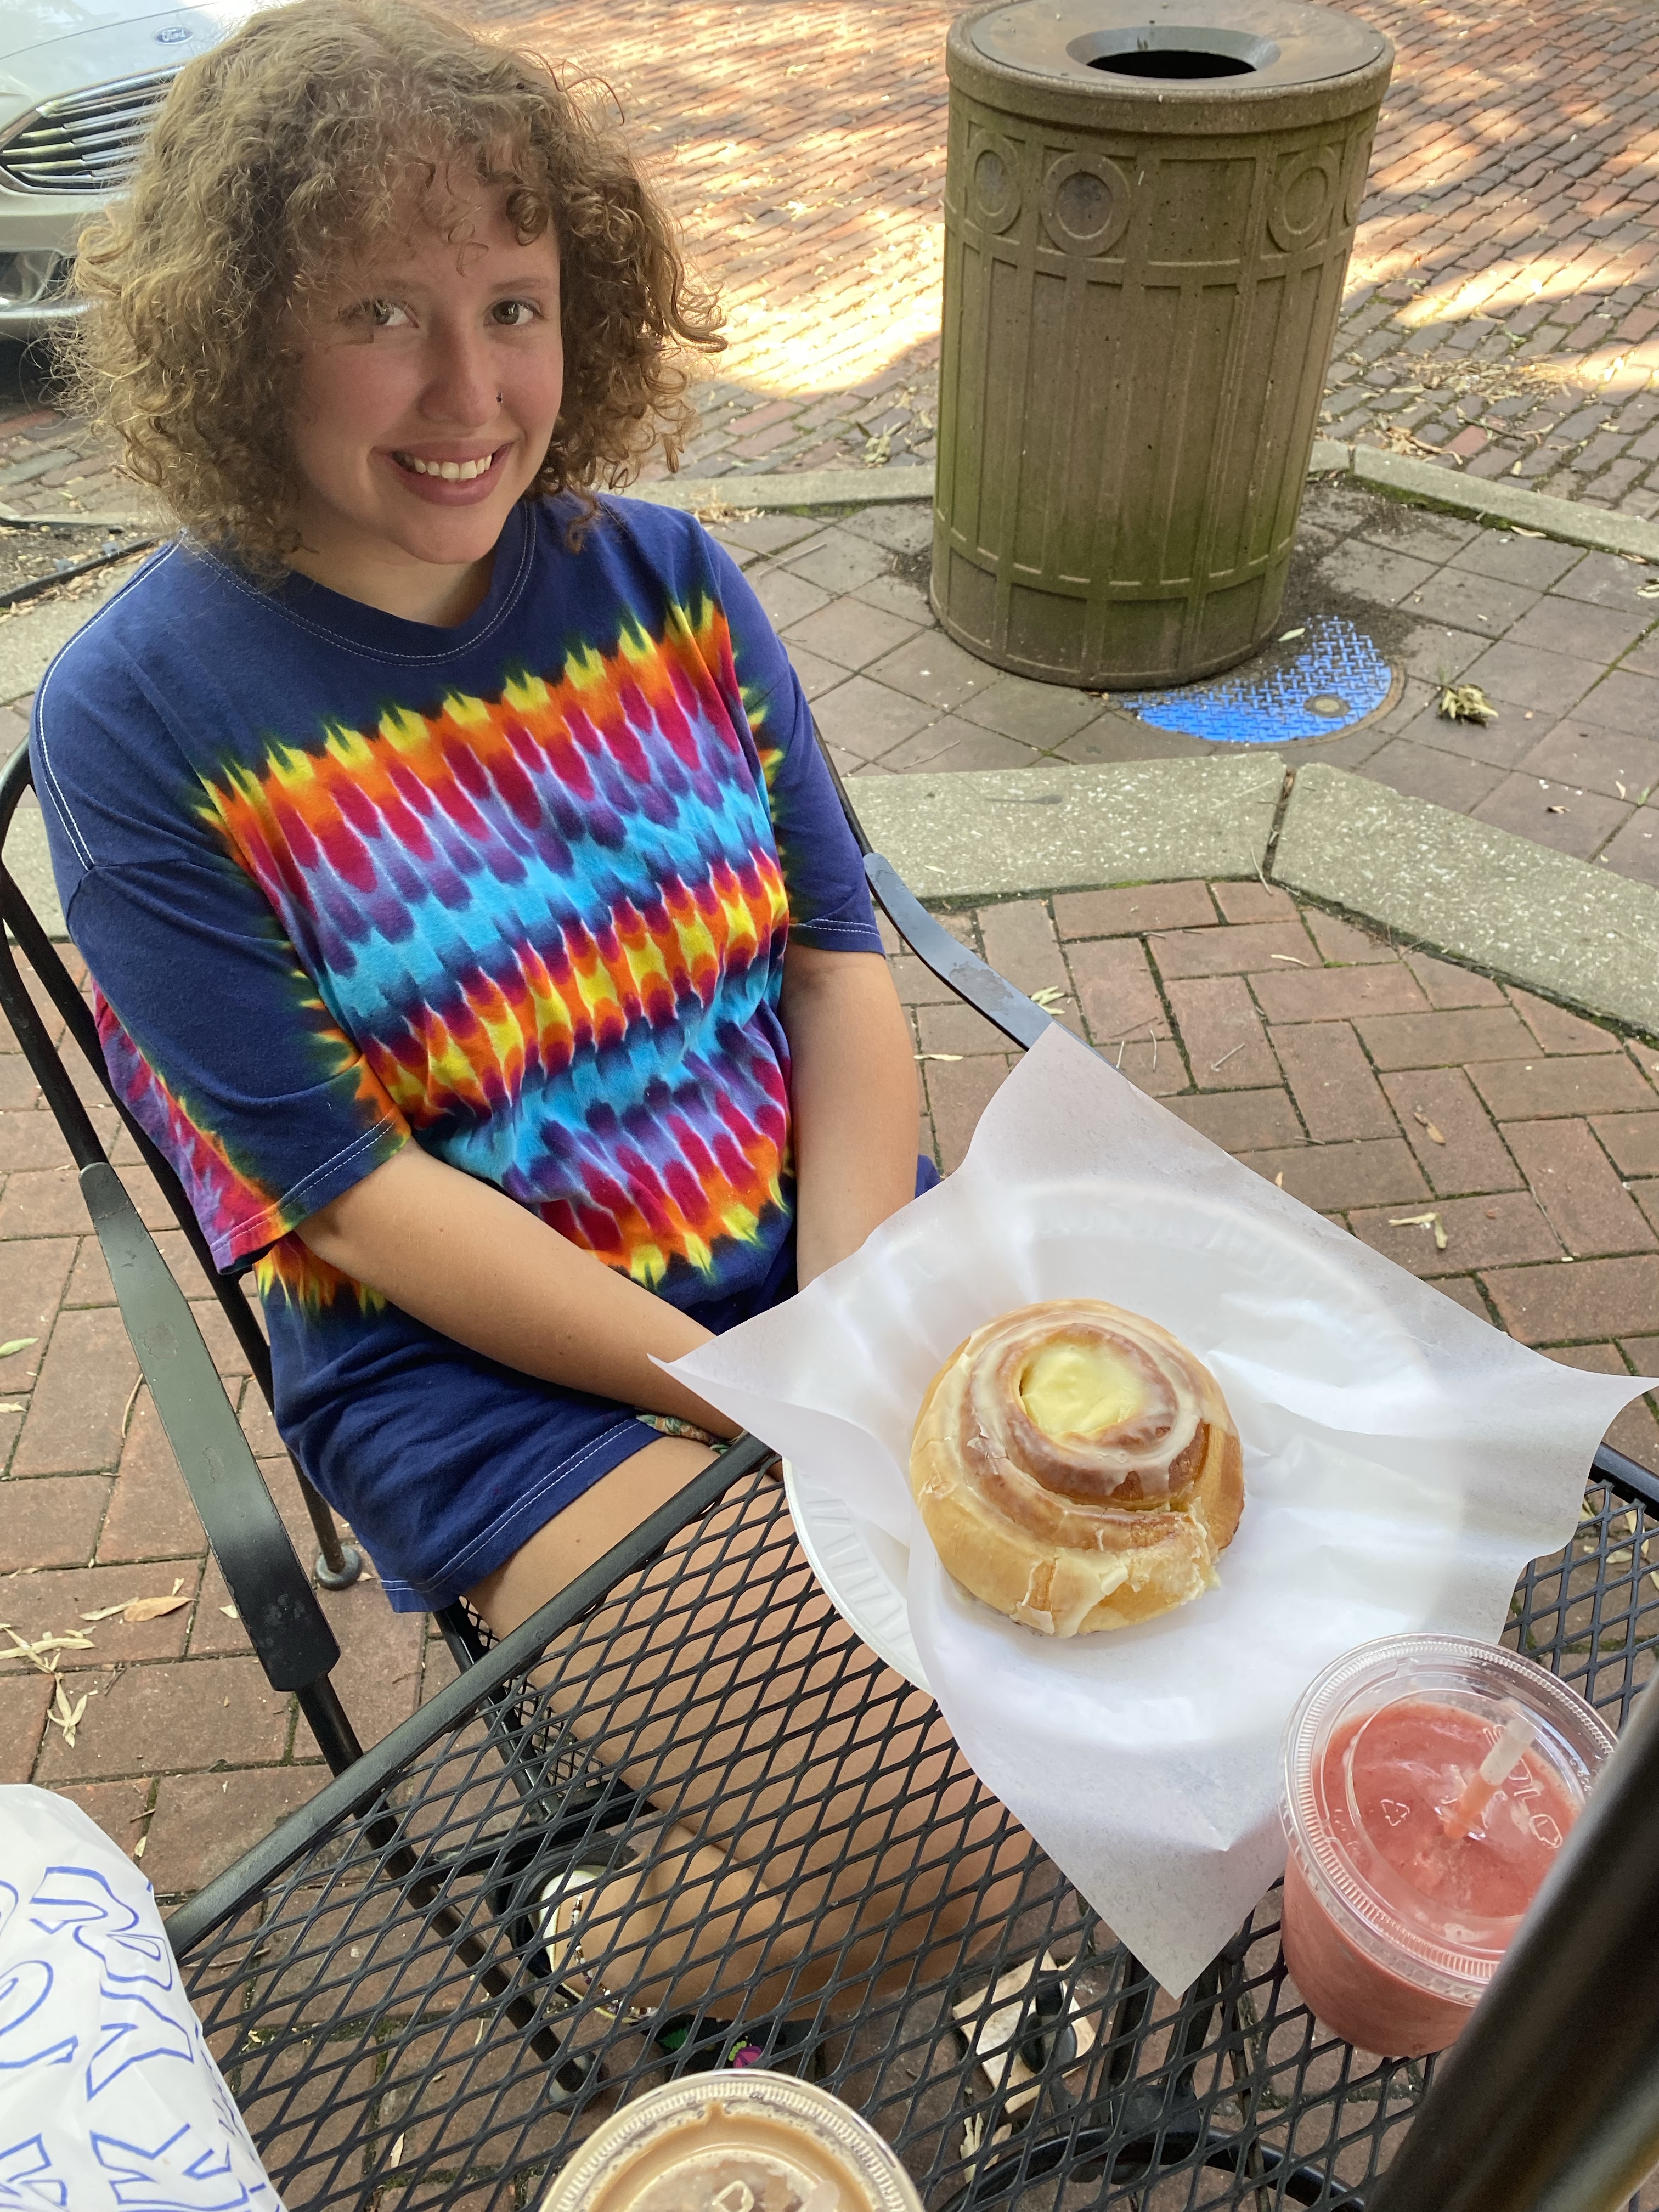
x: 862, y: 1570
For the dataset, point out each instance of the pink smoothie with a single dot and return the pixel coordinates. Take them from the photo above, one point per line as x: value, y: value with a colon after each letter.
x: 1450, y: 1902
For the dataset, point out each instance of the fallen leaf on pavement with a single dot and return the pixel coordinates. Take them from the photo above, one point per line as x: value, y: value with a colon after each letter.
x: 108, y: 1611
x: 1430, y: 1131
x: 12, y: 1407
x: 43, y: 1652
x: 1465, y: 702
x: 1046, y: 995
x: 1421, y: 1221
x: 66, y: 1716
x: 1647, y: 591
x: 230, y: 1612
x: 1286, y: 636
x: 17, y: 1343
x: 152, y: 1608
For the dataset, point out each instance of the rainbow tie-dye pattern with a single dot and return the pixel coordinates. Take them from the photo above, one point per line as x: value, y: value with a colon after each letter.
x: 550, y: 921
x: 519, y: 892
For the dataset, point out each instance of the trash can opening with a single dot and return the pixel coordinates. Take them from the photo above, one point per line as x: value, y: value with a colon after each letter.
x: 1190, y: 52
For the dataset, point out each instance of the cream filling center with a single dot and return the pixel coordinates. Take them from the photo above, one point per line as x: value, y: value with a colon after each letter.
x: 1078, y: 1389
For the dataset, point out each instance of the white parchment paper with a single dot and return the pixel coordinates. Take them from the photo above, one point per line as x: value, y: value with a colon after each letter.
x: 1402, y: 1461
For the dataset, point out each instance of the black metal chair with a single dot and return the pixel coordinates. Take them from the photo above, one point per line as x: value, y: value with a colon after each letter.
x: 375, y: 1979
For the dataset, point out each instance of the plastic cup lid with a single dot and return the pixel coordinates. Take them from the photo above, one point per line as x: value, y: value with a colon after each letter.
x: 690, y: 2142
x: 1384, y: 1906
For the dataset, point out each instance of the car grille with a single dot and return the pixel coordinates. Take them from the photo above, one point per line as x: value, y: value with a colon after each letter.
x: 86, y: 141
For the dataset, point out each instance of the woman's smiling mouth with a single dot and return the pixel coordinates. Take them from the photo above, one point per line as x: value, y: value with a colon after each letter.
x: 450, y: 471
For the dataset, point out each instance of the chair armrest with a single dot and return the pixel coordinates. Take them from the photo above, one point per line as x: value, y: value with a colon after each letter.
x: 967, y: 975
x: 285, y: 1623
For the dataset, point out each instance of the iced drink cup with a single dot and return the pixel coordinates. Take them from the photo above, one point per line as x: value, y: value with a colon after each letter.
x: 747, y: 2140
x: 1410, y: 1865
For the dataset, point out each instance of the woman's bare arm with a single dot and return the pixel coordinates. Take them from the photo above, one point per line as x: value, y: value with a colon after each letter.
x: 853, y: 1099
x: 478, y: 1267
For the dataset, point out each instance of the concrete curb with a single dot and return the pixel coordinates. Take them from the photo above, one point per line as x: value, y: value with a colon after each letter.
x: 1399, y: 475
x: 1561, y: 927
x: 999, y: 832
x: 1422, y: 482
x: 1484, y: 501
x: 811, y: 488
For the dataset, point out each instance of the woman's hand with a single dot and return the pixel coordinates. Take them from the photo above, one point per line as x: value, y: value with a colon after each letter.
x: 472, y: 1263
x: 854, y: 1102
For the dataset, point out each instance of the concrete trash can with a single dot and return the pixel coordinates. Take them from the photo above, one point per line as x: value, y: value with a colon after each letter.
x: 1148, y: 206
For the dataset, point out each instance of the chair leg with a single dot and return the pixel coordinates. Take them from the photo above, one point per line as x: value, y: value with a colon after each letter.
x: 325, y: 1718
x: 338, y: 1564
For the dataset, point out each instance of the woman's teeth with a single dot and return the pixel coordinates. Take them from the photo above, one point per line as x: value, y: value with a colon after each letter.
x: 451, y: 471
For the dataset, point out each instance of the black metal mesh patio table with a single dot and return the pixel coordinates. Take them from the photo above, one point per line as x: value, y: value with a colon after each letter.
x: 374, y: 1978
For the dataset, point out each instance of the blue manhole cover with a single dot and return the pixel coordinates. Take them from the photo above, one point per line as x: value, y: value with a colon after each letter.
x: 1336, y: 680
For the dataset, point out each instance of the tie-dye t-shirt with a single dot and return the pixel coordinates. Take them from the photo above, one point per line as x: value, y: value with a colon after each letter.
x: 519, y: 890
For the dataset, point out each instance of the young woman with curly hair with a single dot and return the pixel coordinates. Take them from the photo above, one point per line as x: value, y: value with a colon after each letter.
x: 472, y: 918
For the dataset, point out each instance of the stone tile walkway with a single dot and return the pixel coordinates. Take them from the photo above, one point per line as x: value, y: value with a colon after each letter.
x: 1502, y: 307
x: 1374, y: 1085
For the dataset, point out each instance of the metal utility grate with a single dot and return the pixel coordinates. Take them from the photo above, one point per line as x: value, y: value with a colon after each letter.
x: 86, y: 141
x: 1336, y: 680
x: 373, y: 1979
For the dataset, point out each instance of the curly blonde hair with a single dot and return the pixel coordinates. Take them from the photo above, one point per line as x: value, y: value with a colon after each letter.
x: 275, y: 158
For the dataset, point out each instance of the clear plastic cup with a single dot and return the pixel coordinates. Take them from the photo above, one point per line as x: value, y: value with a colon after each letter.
x: 743, y: 2140
x: 1403, y: 1890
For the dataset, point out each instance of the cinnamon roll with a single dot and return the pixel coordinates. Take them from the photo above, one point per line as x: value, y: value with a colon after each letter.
x: 1077, y: 1467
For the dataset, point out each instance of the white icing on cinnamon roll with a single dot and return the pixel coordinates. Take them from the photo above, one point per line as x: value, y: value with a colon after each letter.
x: 1077, y: 1467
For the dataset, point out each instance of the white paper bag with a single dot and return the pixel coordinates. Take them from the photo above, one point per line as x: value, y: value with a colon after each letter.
x: 109, y: 2096
x: 1402, y: 1461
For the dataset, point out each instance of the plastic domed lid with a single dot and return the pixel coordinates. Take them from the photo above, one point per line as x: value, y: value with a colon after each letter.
x: 722, y: 2141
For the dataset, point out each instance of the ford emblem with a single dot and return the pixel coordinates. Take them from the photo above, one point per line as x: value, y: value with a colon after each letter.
x: 172, y: 34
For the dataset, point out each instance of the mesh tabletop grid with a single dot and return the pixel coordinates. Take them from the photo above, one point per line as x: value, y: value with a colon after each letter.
x: 375, y: 1982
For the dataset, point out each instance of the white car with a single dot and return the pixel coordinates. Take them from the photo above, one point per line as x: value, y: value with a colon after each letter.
x: 80, y: 81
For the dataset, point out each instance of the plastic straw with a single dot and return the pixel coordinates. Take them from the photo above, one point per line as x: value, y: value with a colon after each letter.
x: 1505, y: 1755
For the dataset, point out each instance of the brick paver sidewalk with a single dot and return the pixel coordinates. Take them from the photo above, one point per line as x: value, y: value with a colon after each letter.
x: 1378, y: 1085
x: 1504, y: 303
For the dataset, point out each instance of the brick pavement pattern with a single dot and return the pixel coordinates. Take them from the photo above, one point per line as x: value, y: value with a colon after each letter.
x: 1503, y: 309
x: 1376, y: 1085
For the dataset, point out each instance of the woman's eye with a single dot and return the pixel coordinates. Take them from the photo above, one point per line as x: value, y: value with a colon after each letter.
x: 386, y: 314
x: 513, y: 313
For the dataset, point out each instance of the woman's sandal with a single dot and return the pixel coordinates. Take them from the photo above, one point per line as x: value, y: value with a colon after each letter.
x: 1027, y: 2025
x: 700, y: 2045
x: 559, y: 1905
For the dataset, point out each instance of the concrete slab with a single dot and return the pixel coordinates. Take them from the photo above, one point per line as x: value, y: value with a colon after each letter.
x: 1560, y: 926
x: 902, y: 481
x: 802, y: 487
x: 1575, y: 521
x: 35, y: 630
x: 30, y: 864
x: 999, y: 831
